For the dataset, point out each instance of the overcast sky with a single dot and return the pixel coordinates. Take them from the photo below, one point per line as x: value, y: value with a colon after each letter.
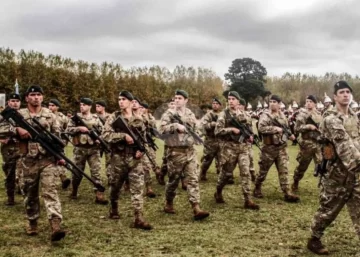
x: 308, y: 36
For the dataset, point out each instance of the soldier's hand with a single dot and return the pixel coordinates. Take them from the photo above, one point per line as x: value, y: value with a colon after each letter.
x: 24, y: 134
x: 236, y: 131
x: 83, y: 129
x: 279, y: 130
x: 181, y: 128
x: 251, y: 139
x: 129, y: 140
x: 312, y: 127
x: 97, y: 142
x: 292, y: 137
x: 213, y: 123
x: 61, y: 162
x: 138, y: 154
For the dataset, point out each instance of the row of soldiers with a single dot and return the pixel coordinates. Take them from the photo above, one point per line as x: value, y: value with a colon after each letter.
x: 227, y: 140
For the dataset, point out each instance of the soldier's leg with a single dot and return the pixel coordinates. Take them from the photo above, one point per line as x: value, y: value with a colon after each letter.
x: 267, y: 158
x: 153, y: 164
x: 80, y: 157
x: 9, y: 168
x: 147, y: 177
x: 94, y: 161
x: 353, y: 208
x: 251, y: 166
x: 304, y: 158
x: 163, y: 169
x: 107, y: 165
x: 207, y: 158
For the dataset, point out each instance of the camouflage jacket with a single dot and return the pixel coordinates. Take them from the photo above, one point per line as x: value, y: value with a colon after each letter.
x: 303, y: 121
x: 168, y: 127
x: 149, y: 120
x: 208, y: 123
x: 343, y: 131
x: 62, y: 119
x: 103, y: 117
x: 223, y: 128
x: 82, y: 139
x: 267, y: 127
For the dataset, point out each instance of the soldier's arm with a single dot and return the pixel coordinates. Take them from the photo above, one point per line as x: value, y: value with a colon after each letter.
x: 109, y: 134
x: 300, y: 123
x: 206, y: 122
x: 152, y: 121
x: 220, y: 129
x: 71, y: 127
x: 266, y: 126
x: 6, y: 129
x: 166, y: 127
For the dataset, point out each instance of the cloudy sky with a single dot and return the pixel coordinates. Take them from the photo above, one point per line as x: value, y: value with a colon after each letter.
x: 308, y: 36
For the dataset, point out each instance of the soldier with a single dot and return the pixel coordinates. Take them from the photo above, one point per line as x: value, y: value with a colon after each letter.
x: 38, y: 167
x: 126, y: 160
x: 307, y: 123
x: 327, y: 103
x: 181, y: 154
x: 86, y: 150
x: 340, y: 183
x: 233, y: 151
x: 63, y: 120
x: 211, y: 144
x: 10, y: 151
x: 274, y: 149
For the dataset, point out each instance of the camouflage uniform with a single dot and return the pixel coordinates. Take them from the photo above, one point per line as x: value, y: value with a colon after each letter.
x: 273, y: 150
x: 340, y: 185
x: 211, y: 144
x: 103, y: 118
x: 10, y: 155
x: 232, y: 152
x: 309, y: 148
x: 85, y: 150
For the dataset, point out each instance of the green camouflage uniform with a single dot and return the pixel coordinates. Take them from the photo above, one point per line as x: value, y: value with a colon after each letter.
x: 86, y: 150
x: 340, y: 185
x: 181, y: 155
x: 232, y: 151
x: 211, y: 144
x: 273, y: 149
x: 123, y: 163
x: 38, y: 168
x: 309, y: 148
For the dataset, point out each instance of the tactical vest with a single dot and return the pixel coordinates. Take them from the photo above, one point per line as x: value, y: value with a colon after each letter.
x: 84, y: 140
x: 351, y: 126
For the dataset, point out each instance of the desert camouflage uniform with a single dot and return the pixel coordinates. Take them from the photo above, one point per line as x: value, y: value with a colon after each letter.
x: 232, y: 151
x: 123, y: 163
x: 103, y: 118
x: 63, y: 121
x: 211, y: 144
x: 340, y: 185
x: 309, y: 147
x: 181, y: 155
x: 86, y: 150
x: 273, y: 149
x: 10, y: 155
x: 38, y: 167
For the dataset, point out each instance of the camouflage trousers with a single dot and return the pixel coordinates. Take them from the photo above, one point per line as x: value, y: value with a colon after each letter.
x: 92, y: 157
x: 182, y: 162
x: 164, y: 166
x: 232, y: 154
x: 338, y: 187
x: 10, y: 156
x: 211, y: 152
x: 309, y: 150
x: 38, y: 172
x: 147, y: 167
x: 125, y: 166
x: 251, y: 157
x: 274, y: 154
x: 107, y: 164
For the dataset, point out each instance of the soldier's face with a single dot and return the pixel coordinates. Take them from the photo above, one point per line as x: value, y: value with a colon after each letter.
x: 84, y: 108
x: 233, y: 102
x: 171, y: 105
x: 99, y: 108
x: 274, y: 105
x: 124, y: 103
x: 135, y: 105
x: 14, y: 104
x: 216, y: 106
x: 180, y: 101
x: 34, y: 99
x: 343, y: 96
x: 310, y: 105
x: 53, y: 107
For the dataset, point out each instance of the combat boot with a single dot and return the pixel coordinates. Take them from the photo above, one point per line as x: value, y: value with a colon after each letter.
x: 169, y: 207
x: 257, y: 191
x: 314, y: 244
x: 114, y: 213
x: 218, y: 196
x: 198, y: 213
x: 249, y: 204
x: 32, y: 228
x: 183, y: 184
x: 140, y: 222
x: 74, y: 191
x: 295, y: 186
x: 150, y: 193
x: 65, y: 182
x: 290, y: 197
x: 100, y: 198
x: 56, y: 232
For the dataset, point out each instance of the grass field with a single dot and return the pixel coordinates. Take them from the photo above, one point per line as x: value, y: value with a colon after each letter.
x: 278, y: 229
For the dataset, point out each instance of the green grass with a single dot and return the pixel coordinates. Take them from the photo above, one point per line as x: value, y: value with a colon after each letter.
x: 278, y: 229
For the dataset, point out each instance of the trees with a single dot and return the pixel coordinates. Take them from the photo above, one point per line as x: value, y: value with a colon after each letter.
x: 247, y: 76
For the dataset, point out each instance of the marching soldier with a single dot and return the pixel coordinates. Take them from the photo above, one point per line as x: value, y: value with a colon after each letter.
x: 274, y: 149
x: 233, y: 151
x: 181, y: 154
x: 307, y: 123
x: 211, y: 144
x: 86, y: 150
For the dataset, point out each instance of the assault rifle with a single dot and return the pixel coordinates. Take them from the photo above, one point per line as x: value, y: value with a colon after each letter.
x: 328, y: 154
x: 51, y: 143
x: 121, y: 125
x: 245, y: 131
x: 94, y: 133
x: 286, y: 130
x: 189, y: 129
